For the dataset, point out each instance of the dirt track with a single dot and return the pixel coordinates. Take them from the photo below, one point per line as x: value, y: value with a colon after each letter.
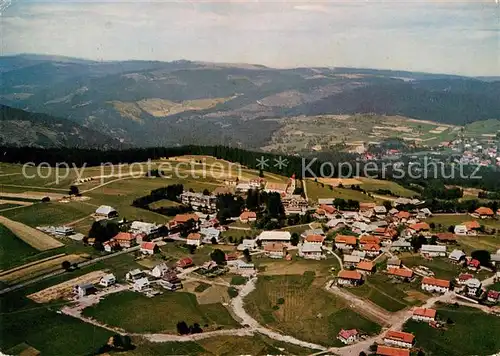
x: 31, y: 236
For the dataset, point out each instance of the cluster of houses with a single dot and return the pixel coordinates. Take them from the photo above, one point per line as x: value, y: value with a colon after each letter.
x: 396, y: 343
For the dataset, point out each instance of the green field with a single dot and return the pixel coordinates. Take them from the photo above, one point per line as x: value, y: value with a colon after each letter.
x: 316, y: 191
x: 297, y: 305
x: 372, y: 185
x: 158, y: 314
x: 389, y: 295
x: 222, y: 345
x: 472, y: 333
x: 441, y: 266
x: 44, y: 214
x: 13, y: 250
x: 48, y: 332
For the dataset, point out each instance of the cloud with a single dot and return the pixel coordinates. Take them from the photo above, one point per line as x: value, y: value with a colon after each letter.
x: 430, y: 36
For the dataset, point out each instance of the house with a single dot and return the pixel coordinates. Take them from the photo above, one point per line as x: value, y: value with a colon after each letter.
x: 351, y: 260
x: 365, y: 267
x: 312, y: 232
x: 249, y: 244
x: 424, y: 213
x: 419, y: 227
x: 366, y: 206
x: 360, y: 227
x: 401, y: 273
x: 326, y: 201
x: 495, y: 258
x: 399, y: 339
x: 185, y: 262
x: 315, y: 239
x: 463, y: 278
x: 148, y: 248
x: 170, y: 281
x: 200, y: 201
x: 107, y: 280
x: 349, y: 278
x: 271, y: 237
x: 380, y: 211
x: 345, y: 241
x: 275, y: 250
x: 140, y: 227
x: 433, y: 251
x: 493, y: 296
x: 85, y: 289
x: 63, y: 230
x: 210, y: 234
x: 160, y: 270
x: 372, y: 250
x: 473, y: 264
x: 106, y: 211
x: 134, y: 275
x: 311, y: 250
x: 294, y: 204
x: 348, y: 336
x: 248, y: 216
x: 360, y: 254
x: 484, y: 212
x: 471, y: 228
x: 457, y: 256
x: 276, y: 188
x: 181, y: 219
x: 194, y: 239
x: 460, y: 230
x: 403, y: 216
x: 125, y: 239
x: 369, y: 239
x: 473, y: 286
x: 393, y: 262
x: 446, y: 237
x: 393, y: 211
x: 391, y: 351
x: 424, y: 314
x: 110, y: 245
x: 336, y: 224
x: 433, y: 285
x: 141, y: 284
x: 326, y: 210
x: 400, y: 245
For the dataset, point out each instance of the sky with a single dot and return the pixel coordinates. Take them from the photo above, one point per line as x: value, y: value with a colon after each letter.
x: 427, y: 35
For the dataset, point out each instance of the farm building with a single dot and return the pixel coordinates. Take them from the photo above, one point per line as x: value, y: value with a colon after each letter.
x: 391, y: 351
x: 349, y: 278
x: 348, y: 336
x: 267, y: 237
x: 399, y: 339
x: 424, y: 314
x: 106, y: 211
x: 107, y: 280
x: 432, y: 285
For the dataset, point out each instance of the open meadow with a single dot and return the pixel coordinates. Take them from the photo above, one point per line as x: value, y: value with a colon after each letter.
x: 160, y: 313
x: 472, y: 332
x: 317, y: 190
x: 297, y: 305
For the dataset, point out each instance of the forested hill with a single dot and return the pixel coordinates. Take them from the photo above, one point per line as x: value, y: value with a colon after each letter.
x: 149, y: 103
x: 22, y: 128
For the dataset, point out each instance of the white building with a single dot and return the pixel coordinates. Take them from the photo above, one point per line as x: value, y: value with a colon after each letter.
x: 199, y: 201
x: 399, y: 339
x: 107, y: 280
x: 140, y: 227
x: 210, y: 233
x: 159, y: 270
x: 434, y: 285
x: 106, y: 211
x: 433, y: 250
x: 457, y: 256
x: 63, y: 230
x: 194, y: 238
x: 249, y: 244
x: 460, y: 230
x: 274, y: 236
x: 141, y: 284
x: 311, y: 251
x: 473, y: 286
x: 424, y: 314
x: 348, y: 337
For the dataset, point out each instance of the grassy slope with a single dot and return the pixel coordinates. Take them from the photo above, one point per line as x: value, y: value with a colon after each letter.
x: 13, y: 250
x: 316, y: 191
x: 159, y: 314
x: 308, y: 312
x: 473, y: 333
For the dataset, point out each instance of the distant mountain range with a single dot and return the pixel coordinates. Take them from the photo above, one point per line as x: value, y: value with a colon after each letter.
x: 151, y: 103
x: 21, y: 128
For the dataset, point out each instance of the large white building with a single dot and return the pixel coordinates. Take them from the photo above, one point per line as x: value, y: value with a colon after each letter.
x: 424, y: 314
x: 274, y: 236
x: 434, y: 285
x: 399, y: 339
x: 199, y: 201
x: 140, y: 227
x: 433, y: 250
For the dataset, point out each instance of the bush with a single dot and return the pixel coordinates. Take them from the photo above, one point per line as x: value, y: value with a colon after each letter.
x: 232, y: 292
x: 280, y: 301
x: 238, y: 280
